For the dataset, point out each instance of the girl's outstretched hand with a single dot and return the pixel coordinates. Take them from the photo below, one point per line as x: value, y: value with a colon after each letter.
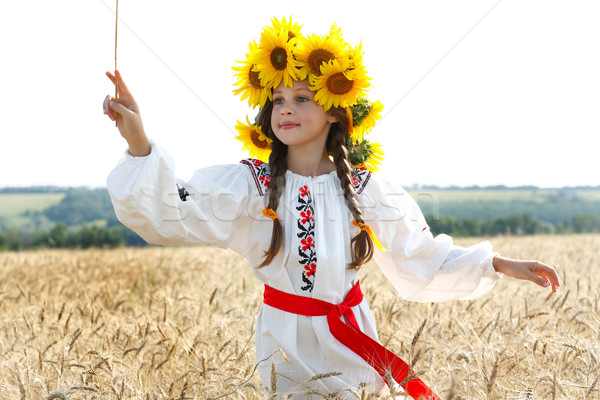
x: 127, y: 114
x: 534, y: 271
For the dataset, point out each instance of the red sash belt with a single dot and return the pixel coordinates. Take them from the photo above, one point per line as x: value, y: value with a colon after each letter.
x: 384, y: 361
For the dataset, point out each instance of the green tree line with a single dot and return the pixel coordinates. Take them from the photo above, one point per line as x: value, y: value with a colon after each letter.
x: 60, y: 236
x: 522, y: 224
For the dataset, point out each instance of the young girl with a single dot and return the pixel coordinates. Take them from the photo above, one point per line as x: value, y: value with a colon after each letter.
x: 308, y: 220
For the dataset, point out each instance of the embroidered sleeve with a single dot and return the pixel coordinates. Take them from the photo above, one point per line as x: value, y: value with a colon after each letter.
x: 260, y: 173
x: 360, y: 178
x: 213, y: 207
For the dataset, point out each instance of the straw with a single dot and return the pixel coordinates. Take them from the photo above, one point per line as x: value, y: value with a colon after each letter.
x: 116, y: 36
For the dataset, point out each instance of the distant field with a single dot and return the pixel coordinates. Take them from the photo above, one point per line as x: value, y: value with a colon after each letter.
x: 13, y: 204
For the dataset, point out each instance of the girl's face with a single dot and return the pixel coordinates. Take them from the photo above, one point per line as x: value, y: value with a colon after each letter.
x: 296, y: 119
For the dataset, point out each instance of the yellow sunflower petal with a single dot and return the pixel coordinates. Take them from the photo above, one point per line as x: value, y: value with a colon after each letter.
x: 335, y: 32
x: 356, y: 58
x: 292, y: 28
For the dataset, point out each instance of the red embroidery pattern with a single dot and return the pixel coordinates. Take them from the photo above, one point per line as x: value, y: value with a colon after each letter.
x: 306, y: 234
x: 360, y: 178
x: 260, y: 173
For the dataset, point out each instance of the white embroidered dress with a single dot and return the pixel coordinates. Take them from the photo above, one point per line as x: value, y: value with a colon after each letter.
x: 222, y: 206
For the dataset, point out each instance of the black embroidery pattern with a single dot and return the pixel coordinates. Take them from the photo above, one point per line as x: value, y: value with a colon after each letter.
x: 260, y: 173
x: 360, y: 177
x: 183, y: 193
x: 306, y: 234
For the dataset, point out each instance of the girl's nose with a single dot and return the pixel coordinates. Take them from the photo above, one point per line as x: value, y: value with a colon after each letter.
x: 286, y: 110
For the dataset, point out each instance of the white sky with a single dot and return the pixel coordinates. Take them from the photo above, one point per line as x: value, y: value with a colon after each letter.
x: 476, y: 92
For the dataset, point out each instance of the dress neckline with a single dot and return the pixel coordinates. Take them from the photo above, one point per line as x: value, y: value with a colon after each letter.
x: 311, y: 178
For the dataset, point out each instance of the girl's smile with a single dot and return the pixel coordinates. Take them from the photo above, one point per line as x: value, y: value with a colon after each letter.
x: 288, y: 125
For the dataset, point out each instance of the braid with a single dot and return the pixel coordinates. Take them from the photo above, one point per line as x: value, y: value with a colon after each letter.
x: 278, y: 167
x: 362, y: 244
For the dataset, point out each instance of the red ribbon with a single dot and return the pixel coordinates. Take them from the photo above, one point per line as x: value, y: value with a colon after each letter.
x: 384, y: 361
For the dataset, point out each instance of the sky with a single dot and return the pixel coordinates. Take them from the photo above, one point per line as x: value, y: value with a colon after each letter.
x: 476, y: 92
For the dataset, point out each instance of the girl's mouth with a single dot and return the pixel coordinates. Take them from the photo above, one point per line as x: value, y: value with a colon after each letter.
x: 288, y: 125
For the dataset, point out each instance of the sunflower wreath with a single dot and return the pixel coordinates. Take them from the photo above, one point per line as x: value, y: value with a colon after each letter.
x: 335, y: 72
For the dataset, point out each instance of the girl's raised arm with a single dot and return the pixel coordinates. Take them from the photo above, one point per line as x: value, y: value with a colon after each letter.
x: 127, y: 113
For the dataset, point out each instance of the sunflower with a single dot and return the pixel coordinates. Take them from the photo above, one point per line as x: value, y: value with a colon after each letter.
x: 366, y: 154
x: 292, y: 29
x: 248, y: 81
x: 314, y: 51
x: 274, y: 60
x: 338, y: 85
x: 255, y: 141
x: 364, y: 115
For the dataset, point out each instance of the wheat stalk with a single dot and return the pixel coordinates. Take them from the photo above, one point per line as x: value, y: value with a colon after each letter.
x: 116, y: 40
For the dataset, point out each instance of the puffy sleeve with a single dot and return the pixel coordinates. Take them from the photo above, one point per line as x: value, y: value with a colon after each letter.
x: 420, y: 266
x: 214, y: 207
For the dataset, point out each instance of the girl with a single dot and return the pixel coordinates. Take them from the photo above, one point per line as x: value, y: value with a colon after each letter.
x: 308, y: 220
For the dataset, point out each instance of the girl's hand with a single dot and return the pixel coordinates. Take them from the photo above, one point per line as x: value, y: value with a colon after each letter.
x: 127, y: 113
x: 534, y: 271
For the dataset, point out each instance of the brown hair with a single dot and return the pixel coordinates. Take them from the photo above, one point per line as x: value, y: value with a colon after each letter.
x: 362, y: 244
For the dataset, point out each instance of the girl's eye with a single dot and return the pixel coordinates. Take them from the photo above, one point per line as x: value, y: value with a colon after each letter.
x: 278, y: 101
x: 302, y: 99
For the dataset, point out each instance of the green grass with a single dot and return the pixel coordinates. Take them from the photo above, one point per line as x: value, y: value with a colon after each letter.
x: 14, y: 204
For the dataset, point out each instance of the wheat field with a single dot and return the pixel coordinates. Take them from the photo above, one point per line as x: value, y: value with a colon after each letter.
x: 177, y: 323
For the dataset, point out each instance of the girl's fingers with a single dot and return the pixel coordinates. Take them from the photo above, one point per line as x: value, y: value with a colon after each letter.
x: 118, y: 108
x: 110, y: 76
x: 123, y: 90
x: 540, y: 281
x: 117, y: 77
x: 546, y: 276
x: 106, y: 109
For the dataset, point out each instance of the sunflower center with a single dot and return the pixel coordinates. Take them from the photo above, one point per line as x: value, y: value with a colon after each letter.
x: 318, y: 57
x: 261, y: 144
x: 279, y: 58
x: 339, y: 84
x: 253, y: 78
